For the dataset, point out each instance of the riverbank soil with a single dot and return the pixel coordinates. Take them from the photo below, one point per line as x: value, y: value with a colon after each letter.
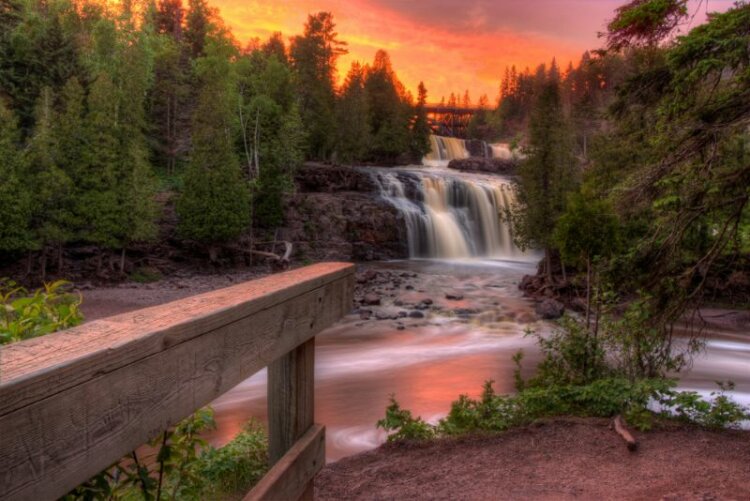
x: 552, y: 460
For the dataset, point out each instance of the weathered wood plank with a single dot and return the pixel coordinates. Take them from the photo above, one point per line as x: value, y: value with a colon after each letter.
x: 47, y: 365
x: 291, y: 398
x: 292, y: 475
x: 54, y: 438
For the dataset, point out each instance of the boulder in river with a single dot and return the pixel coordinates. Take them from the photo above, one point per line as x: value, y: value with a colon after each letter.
x: 371, y: 299
x: 550, y: 309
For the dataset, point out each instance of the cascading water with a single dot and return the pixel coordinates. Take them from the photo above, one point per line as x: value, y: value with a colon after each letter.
x: 452, y: 216
x: 444, y: 149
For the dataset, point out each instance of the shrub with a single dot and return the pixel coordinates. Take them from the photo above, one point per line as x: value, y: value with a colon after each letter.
x: 25, y: 316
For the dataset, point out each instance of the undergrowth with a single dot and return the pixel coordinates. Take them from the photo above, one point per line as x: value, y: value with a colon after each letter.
x: 184, y: 467
x: 577, y: 377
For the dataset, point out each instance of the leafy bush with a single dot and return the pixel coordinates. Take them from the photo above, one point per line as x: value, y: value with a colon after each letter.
x: 400, y: 424
x: 604, y: 398
x: 25, y: 316
x: 186, y: 467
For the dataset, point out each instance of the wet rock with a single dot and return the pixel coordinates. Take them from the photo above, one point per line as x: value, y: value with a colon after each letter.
x: 403, y: 314
x: 381, y: 315
x: 416, y: 314
x: 480, y: 164
x: 398, y: 302
x: 427, y: 301
x: 371, y: 299
x: 465, y: 312
x: 454, y: 296
x: 409, y: 287
x: 400, y: 327
x: 550, y: 309
x: 365, y: 314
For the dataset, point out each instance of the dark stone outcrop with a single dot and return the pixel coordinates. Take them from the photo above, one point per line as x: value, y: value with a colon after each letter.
x: 337, y: 214
x: 322, y: 178
x: 486, y: 165
x: 549, y: 309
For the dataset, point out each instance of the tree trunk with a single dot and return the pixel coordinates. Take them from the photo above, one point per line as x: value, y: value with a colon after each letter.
x: 548, y: 264
x: 43, y: 264
x: 588, y: 292
x: 59, y: 258
x: 213, y: 254
x: 122, y: 261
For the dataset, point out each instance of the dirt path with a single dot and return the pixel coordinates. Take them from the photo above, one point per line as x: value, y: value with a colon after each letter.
x: 560, y: 459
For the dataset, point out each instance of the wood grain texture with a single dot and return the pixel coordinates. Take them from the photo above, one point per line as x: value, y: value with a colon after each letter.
x: 291, y: 477
x: 291, y: 398
x: 71, y: 407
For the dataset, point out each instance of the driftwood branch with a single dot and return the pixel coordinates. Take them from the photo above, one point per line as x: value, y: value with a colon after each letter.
x: 277, y: 261
x: 621, y: 430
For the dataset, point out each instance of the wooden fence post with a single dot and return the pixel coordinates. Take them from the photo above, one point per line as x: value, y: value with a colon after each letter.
x: 291, y: 393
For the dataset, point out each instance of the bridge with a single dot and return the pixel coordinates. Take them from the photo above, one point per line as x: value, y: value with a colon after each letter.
x: 452, y: 121
x: 75, y: 402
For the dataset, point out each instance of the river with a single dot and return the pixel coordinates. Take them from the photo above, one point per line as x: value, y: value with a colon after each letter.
x: 433, y: 360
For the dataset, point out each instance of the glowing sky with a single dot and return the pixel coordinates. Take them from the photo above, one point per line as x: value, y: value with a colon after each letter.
x: 450, y: 44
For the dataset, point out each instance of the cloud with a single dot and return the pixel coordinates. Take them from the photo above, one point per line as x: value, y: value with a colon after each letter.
x: 451, y: 45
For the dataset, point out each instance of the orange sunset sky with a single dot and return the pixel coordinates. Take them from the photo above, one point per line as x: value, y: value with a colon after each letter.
x: 451, y: 45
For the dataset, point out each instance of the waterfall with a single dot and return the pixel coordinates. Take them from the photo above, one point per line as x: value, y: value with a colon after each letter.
x: 444, y: 149
x: 451, y: 216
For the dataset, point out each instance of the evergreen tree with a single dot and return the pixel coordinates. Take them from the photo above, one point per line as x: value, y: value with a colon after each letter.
x: 214, y: 204
x: 52, y: 217
x: 272, y: 133
x: 136, y: 184
x: 420, y: 131
x: 353, y: 136
x: 313, y: 57
x: 98, y: 206
x: 548, y: 174
x: 14, y: 197
x: 390, y: 114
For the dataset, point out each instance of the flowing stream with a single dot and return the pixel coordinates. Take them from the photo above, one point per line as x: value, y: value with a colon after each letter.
x: 459, y: 242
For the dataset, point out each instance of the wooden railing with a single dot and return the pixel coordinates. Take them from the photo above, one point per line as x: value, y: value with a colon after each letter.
x: 74, y: 402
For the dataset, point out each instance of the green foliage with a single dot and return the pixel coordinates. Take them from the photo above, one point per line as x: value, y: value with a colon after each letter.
x: 587, y: 230
x: 645, y: 22
x: 237, y: 465
x: 313, y: 57
x: 214, y: 205
x: 400, y: 425
x: 24, y: 315
x: 389, y: 111
x: 354, y: 136
x: 15, y: 200
x: 549, y: 173
x: 185, y: 466
x: 420, y: 129
x: 637, y: 401
x: 572, y: 355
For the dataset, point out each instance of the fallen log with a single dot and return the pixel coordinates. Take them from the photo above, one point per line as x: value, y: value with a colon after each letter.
x: 277, y: 261
x: 621, y: 430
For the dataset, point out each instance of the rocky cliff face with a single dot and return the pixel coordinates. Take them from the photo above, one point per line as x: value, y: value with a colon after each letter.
x: 337, y: 213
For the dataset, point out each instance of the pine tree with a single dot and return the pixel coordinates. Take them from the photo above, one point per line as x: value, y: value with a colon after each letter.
x: 214, y: 204
x: 313, y: 57
x: 390, y: 113
x: 52, y: 216
x: 420, y: 131
x: 98, y: 207
x: 353, y: 138
x: 548, y: 174
x: 136, y: 183
x: 14, y: 198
